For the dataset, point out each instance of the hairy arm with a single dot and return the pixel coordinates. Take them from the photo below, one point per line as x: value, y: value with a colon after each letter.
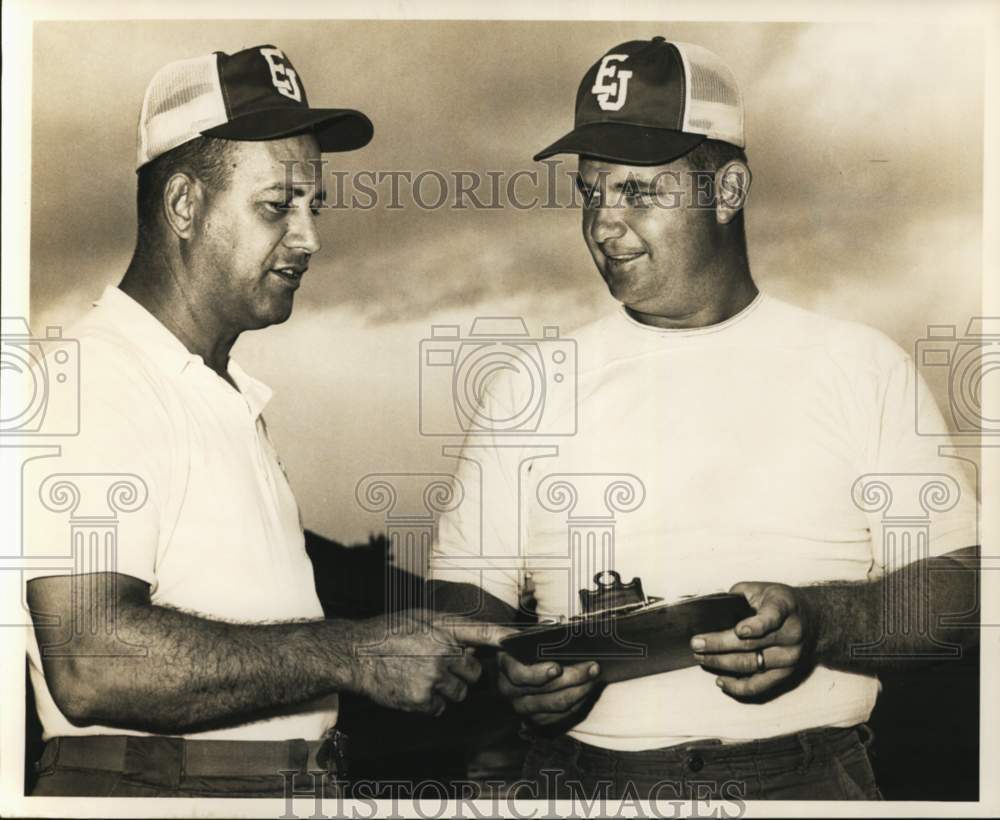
x: 922, y: 613
x: 901, y: 620
x: 162, y: 670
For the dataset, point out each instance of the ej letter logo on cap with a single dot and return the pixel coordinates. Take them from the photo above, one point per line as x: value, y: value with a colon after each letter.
x: 283, y: 76
x: 611, y: 83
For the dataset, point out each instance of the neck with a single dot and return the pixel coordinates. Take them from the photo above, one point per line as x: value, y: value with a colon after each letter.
x: 712, y: 314
x: 157, y: 282
x: 729, y: 289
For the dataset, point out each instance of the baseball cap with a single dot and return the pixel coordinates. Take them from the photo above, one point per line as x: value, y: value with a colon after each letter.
x: 647, y: 102
x: 254, y: 94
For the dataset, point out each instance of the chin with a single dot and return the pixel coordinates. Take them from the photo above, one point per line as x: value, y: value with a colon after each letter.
x: 620, y: 289
x: 273, y: 314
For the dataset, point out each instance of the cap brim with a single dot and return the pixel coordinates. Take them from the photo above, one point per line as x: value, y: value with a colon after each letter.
x: 336, y: 129
x: 624, y: 143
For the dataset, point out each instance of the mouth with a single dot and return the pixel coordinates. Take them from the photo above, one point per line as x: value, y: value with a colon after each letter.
x: 624, y: 257
x: 291, y: 276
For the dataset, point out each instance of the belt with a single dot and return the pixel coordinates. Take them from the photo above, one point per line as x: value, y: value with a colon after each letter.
x: 836, y: 739
x: 173, y: 758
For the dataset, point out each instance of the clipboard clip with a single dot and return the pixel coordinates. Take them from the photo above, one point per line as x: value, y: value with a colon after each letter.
x: 613, y: 596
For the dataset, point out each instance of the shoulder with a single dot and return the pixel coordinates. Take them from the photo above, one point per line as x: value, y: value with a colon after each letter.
x: 604, y: 341
x: 114, y: 374
x: 850, y: 342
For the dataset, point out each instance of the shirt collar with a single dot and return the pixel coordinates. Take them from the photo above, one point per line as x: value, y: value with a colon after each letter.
x: 706, y: 330
x: 256, y: 393
x: 147, y: 333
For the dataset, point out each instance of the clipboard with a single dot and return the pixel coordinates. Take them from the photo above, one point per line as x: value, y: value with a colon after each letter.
x: 629, y: 635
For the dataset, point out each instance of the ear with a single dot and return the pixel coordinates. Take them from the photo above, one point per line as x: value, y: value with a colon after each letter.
x: 732, y: 185
x: 182, y: 198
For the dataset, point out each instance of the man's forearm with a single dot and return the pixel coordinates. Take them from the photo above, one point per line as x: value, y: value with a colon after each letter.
x: 907, y: 617
x: 196, y: 672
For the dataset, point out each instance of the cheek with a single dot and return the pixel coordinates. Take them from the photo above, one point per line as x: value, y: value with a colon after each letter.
x: 587, y: 226
x: 663, y: 230
x: 220, y: 238
x: 247, y: 242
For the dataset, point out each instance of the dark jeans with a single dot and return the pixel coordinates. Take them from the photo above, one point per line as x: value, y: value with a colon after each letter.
x: 819, y: 764
x: 119, y: 766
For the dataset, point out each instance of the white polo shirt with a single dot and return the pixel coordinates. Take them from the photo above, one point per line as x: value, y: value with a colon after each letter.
x: 204, y: 513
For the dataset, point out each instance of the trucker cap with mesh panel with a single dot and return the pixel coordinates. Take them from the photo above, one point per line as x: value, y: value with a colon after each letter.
x: 254, y: 94
x: 648, y: 102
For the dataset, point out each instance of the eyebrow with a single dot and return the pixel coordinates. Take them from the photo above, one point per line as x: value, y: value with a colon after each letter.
x: 640, y: 184
x: 297, y: 191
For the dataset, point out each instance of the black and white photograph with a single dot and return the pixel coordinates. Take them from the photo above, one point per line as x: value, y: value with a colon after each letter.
x: 536, y: 410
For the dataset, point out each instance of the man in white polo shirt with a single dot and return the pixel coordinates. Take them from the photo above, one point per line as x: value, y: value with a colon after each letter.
x: 755, y: 440
x: 212, y: 670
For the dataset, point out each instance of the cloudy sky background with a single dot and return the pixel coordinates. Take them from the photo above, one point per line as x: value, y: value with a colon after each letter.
x: 865, y: 142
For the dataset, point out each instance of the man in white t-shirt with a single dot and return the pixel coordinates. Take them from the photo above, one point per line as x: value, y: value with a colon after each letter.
x: 186, y: 653
x: 719, y: 436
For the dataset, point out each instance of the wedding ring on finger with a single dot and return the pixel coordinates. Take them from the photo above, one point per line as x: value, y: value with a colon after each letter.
x: 759, y: 656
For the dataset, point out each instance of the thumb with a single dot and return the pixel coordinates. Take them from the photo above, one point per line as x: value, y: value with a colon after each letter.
x: 474, y: 633
x: 751, y: 590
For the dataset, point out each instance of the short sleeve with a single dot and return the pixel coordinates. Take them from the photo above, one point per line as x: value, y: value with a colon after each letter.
x: 477, y: 541
x: 95, y: 507
x: 920, y: 482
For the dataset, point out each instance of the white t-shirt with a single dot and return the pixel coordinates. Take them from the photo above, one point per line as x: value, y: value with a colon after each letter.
x: 203, y: 512
x: 734, y: 448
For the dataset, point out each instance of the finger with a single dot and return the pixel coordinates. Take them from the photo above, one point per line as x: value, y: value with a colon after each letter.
x: 436, y: 706
x: 729, y: 641
x: 771, y: 614
x: 572, y: 675
x: 745, y: 663
x: 553, y: 702
x: 540, y: 678
x: 466, y: 667
x: 452, y: 687
x: 475, y: 633
x: 753, y: 685
x: 751, y: 590
x: 524, y: 674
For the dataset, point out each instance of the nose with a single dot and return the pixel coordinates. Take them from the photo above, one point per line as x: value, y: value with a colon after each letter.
x: 302, y: 234
x: 607, y: 224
